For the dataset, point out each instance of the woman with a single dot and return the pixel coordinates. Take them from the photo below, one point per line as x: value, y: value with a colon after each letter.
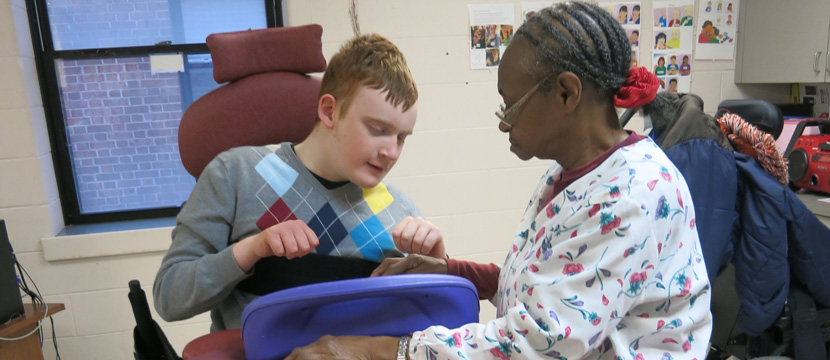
x: 660, y: 68
x: 478, y: 37
x: 685, y: 68
x: 606, y: 261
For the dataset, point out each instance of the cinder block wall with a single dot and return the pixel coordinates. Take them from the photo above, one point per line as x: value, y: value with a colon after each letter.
x: 457, y: 166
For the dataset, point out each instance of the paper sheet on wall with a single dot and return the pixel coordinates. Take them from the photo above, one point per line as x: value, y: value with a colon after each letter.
x: 165, y: 63
x: 672, y: 44
x: 491, y: 29
x: 716, y: 29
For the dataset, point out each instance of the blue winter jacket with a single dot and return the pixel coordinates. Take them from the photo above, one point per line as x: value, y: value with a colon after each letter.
x: 744, y: 216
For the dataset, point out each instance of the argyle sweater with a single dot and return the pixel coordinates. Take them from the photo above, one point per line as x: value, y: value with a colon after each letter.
x: 248, y: 189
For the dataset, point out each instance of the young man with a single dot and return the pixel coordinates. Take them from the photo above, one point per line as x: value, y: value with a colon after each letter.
x: 672, y: 86
x: 261, y: 219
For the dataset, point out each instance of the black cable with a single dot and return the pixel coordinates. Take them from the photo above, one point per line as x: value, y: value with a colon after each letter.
x: 55, y: 339
x: 36, y: 299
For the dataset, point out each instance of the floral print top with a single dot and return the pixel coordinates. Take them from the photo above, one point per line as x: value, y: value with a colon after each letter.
x: 610, y: 268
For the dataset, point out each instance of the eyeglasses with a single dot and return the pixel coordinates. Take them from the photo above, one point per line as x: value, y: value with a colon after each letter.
x: 505, y: 114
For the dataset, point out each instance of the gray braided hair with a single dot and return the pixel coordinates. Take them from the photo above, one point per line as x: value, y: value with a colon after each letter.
x: 581, y: 38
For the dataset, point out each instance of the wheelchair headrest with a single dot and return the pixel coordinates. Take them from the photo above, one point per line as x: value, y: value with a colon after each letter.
x: 764, y: 115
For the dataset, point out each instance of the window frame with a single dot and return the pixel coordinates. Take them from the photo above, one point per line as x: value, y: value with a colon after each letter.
x: 46, y: 56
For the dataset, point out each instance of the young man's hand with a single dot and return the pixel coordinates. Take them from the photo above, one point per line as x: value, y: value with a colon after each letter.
x: 416, y: 235
x: 291, y: 239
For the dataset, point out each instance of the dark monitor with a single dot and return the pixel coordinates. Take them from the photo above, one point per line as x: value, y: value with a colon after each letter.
x: 11, y: 304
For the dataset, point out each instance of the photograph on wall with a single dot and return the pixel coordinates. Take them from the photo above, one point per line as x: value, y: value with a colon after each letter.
x: 491, y: 29
x: 716, y: 29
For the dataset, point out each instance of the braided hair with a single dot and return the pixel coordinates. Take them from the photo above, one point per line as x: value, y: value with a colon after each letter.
x: 581, y: 38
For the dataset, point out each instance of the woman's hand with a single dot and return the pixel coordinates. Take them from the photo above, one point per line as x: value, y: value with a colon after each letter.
x: 348, y: 348
x: 416, y: 235
x: 412, y: 264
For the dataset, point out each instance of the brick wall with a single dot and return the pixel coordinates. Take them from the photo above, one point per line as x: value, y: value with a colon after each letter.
x: 121, y: 119
x: 85, y: 24
x: 122, y: 122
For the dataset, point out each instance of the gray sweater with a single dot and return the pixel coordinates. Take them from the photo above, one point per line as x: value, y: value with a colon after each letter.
x: 248, y: 189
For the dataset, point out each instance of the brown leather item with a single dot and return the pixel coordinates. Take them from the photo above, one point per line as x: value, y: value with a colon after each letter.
x: 260, y: 109
x: 242, y: 53
x: 269, y: 99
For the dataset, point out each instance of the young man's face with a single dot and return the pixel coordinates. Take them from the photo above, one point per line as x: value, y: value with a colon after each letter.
x: 369, y: 138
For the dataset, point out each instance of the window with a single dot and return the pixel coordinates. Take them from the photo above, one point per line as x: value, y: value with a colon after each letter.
x: 113, y: 118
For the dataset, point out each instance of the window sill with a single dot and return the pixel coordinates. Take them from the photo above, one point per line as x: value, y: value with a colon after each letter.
x: 109, y: 239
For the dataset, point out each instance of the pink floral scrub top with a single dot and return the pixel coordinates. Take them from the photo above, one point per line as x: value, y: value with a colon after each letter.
x: 610, y: 268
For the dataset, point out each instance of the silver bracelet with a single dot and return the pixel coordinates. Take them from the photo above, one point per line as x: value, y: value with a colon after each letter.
x: 403, y: 348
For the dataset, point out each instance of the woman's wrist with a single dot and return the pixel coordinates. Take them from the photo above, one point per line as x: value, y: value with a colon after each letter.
x: 403, y: 347
x: 385, y: 347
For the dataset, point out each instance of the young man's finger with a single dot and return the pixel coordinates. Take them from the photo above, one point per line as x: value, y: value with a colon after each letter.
x: 408, y: 235
x: 275, y: 244
x: 289, y: 242
x: 396, y: 232
x: 313, y: 240
x: 429, y: 242
x: 420, y: 238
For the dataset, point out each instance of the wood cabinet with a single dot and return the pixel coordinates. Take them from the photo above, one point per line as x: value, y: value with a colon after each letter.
x: 27, y: 347
x: 783, y: 41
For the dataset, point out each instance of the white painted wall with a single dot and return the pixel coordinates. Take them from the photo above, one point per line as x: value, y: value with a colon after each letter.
x: 457, y: 166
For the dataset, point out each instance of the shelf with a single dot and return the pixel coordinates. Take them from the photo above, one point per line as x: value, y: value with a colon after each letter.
x: 33, y: 314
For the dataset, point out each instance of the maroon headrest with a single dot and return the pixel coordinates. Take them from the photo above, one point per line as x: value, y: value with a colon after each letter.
x: 238, y: 54
x: 269, y: 100
x: 258, y: 110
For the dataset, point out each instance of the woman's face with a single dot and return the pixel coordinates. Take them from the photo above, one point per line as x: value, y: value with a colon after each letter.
x: 536, y: 125
x: 685, y: 61
x: 661, y: 62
